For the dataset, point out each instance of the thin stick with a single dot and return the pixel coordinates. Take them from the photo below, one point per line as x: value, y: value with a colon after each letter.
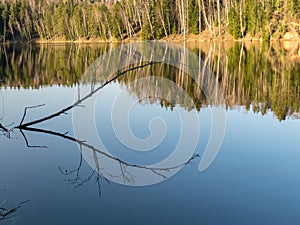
x: 25, y: 111
x: 64, y: 110
x: 3, y: 128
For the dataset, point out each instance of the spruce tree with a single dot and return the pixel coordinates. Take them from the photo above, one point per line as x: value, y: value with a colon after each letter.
x: 234, y: 27
x: 193, y: 20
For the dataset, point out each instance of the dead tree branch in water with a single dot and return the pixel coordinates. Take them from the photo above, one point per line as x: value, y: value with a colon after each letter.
x: 125, y: 173
x: 79, y: 101
x: 30, y: 107
x: 4, y: 130
x: 8, y: 213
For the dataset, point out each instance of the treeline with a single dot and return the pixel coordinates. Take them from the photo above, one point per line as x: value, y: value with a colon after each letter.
x: 150, y: 19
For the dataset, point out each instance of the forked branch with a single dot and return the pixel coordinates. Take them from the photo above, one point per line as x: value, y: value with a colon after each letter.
x: 79, y: 101
x: 7, y: 213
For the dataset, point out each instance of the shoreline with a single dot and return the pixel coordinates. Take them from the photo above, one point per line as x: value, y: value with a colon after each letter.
x: 172, y: 39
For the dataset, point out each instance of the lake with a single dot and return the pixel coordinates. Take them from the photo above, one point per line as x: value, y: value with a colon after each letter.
x: 150, y: 133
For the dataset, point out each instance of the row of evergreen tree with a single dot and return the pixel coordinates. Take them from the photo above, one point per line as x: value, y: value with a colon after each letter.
x: 152, y: 19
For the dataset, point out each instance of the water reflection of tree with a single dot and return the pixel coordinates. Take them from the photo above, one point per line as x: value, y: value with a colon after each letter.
x: 36, y: 65
x: 248, y: 77
x: 252, y: 79
x: 261, y: 78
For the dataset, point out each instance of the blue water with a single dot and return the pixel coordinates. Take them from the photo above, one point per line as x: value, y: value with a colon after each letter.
x: 254, y: 179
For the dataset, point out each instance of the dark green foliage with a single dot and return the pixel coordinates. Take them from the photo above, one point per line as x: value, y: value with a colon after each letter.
x: 1, y: 20
x: 117, y: 21
x: 157, y: 18
x: 152, y: 21
x: 251, y: 16
x: 193, y: 19
x: 234, y: 27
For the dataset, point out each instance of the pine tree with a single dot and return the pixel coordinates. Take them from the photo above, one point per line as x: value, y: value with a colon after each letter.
x: 193, y: 22
x: 234, y: 27
x: 59, y: 17
x: 251, y: 17
x: 92, y: 22
x: 156, y: 21
x: 117, y: 22
x: 49, y: 21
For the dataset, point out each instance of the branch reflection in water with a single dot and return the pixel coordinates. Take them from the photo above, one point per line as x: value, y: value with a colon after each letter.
x: 8, y: 213
x: 124, y: 173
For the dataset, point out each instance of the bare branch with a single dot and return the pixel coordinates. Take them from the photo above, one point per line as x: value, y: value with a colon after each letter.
x: 25, y: 111
x: 77, y: 103
x: 2, y: 99
x: 8, y: 213
x: 77, y: 170
x: 5, y: 131
x: 3, y: 128
x: 27, y: 143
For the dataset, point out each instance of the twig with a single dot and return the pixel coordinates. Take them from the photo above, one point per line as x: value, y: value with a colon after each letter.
x: 2, y: 99
x: 27, y: 143
x: 25, y: 111
x: 77, y: 170
x: 3, y: 128
x: 8, y: 212
x: 62, y: 111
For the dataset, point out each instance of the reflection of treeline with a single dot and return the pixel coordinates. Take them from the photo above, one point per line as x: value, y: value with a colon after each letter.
x: 262, y: 78
x: 159, y: 91
x: 247, y: 76
x: 34, y: 66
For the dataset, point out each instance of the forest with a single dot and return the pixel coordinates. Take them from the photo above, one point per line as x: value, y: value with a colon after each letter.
x: 29, y: 20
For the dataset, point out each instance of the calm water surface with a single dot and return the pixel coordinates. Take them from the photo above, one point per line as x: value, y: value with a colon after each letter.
x: 254, y: 179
